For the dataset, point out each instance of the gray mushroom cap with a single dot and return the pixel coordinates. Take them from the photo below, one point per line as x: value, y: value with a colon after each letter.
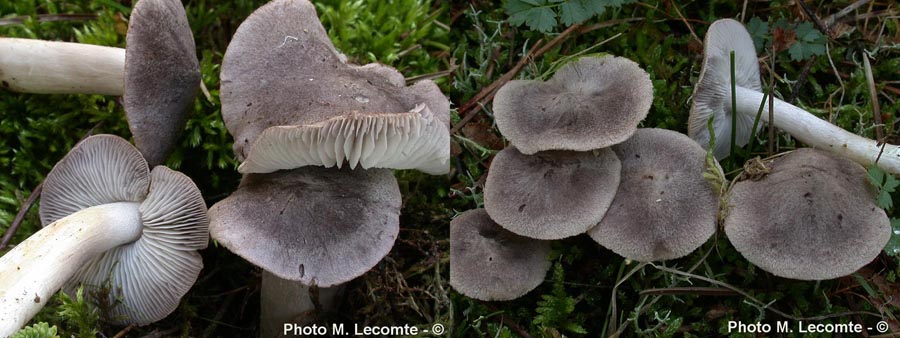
x: 314, y: 225
x: 490, y: 263
x: 290, y: 100
x: 162, y: 76
x: 148, y: 276
x: 551, y: 194
x: 712, y: 95
x: 813, y: 217
x: 664, y: 208
x: 590, y: 103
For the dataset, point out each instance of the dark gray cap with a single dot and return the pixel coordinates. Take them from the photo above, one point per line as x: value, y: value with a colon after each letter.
x: 813, y: 217
x: 315, y: 225
x: 590, y: 103
x: 664, y: 208
x: 551, y: 194
x: 490, y: 263
x: 162, y: 76
x: 290, y: 100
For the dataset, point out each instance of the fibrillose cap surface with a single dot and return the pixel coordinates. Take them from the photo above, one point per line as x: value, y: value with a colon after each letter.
x: 149, y: 276
x: 551, y: 194
x: 290, y: 100
x: 315, y: 225
x: 162, y: 76
x: 490, y: 263
x: 712, y: 95
x: 664, y: 208
x: 813, y: 217
x: 590, y: 103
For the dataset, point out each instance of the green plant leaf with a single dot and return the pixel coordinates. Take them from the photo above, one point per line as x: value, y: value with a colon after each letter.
x: 759, y: 31
x: 809, y: 42
x: 876, y: 176
x: 574, y: 12
x: 893, y: 246
x: 39, y: 330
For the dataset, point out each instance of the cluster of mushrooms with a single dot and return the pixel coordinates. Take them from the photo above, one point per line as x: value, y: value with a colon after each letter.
x: 114, y: 218
x: 578, y: 164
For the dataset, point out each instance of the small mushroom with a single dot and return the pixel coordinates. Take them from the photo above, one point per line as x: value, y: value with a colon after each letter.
x: 812, y: 217
x: 712, y: 99
x: 314, y: 225
x: 110, y: 222
x: 551, y: 194
x: 290, y: 100
x: 588, y: 104
x: 664, y: 208
x: 490, y: 263
x: 158, y: 72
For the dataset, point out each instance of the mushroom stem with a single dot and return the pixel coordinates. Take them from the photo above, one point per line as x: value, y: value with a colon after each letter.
x: 35, y: 269
x: 50, y: 67
x: 820, y: 134
x: 285, y: 301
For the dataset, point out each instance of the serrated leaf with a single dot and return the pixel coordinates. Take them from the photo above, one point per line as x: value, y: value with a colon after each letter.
x: 573, y: 12
x: 876, y: 176
x: 809, y: 42
x: 541, y: 19
x: 759, y: 31
x: 514, y: 7
x: 890, y: 183
x: 884, y: 200
x: 594, y: 7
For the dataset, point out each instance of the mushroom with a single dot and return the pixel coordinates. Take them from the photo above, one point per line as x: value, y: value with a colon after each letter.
x: 109, y: 221
x: 490, y: 263
x: 664, y: 208
x: 812, y: 217
x: 712, y: 99
x: 158, y: 73
x: 290, y: 100
x: 552, y: 194
x: 588, y: 104
x: 314, y: 225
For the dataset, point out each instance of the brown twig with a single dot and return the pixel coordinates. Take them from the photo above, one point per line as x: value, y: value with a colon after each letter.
x: 471, y: 108
x: 815, y: 18
x: 48, y: 18
x: 20, y: 216
x: 124, y: 331
x: 514, y: 326
x: 7, y: 237
x: 686, y: 23
x: 830, y: 20
x: 873, y: 94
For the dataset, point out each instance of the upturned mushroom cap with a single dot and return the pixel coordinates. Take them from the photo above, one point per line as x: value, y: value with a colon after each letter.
x: 148, y: 277
x: 590, y: 103
x: 490, y: 263
x: 290, y: 100
x: 312, y: 224
x: 664, y: 208
x: 162, y: 76
x: 712, y: 95
x: 813, y: 217
x: 551, y: 194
